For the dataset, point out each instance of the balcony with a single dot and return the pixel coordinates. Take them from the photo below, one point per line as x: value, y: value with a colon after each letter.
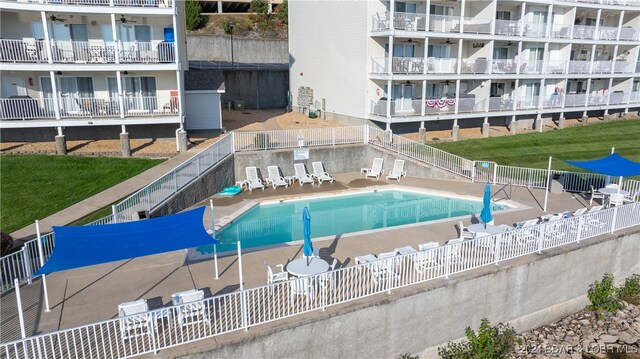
x: 575, y: 100
x: 500, y: 103
x: 602, y: 67
x: 622, y: 67
x: 123, y: 3
x: 92, y: 51
x: 507, y: 28
x: 634, y: 97
x: 476, y: 26
x: 399, y: 107
x: 579, y: 66
x: 504, y: 66
x: 88, y: 108
x: 531, y: 67
x: 409, y: 21
x: 583, y: 32
x: 597, y: 100
x: 618, y: 98
x: 607, y: 33
x: 416, y: 65
x: 532, y: 29
x: 442, y: 23
x: 560, y: 31
x: 477, y: 66
x: 629, y: 34
x: 528, y: 103
x: 556, y: 67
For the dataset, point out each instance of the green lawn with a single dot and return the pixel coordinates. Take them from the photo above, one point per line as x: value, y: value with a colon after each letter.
x: 35, y: 186
x: 534, y: 149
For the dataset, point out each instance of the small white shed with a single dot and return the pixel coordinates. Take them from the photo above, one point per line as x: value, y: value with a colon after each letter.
x: 203, y: 109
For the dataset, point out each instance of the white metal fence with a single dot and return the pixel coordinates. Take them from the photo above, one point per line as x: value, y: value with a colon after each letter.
x: 269, y: 140
x: 172, y: 326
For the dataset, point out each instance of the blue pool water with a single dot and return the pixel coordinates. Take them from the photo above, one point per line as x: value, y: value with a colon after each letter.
x: 272, y: 223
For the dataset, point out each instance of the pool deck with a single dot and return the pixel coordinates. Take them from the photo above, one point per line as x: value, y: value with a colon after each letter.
x: 87, y: 295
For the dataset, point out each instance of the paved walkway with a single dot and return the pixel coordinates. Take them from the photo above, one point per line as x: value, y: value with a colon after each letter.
x: 106, y: 197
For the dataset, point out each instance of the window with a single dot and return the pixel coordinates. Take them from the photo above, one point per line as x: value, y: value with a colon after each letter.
x: 441, y: 10
x: 503, y: 15
x: 404, y: 7
x: 439, y: 51
x: 501, y: 53
x: 401, y: 50
x: 139, y: 93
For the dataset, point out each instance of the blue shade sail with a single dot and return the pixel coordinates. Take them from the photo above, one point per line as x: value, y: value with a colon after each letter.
x: 612, y: 165
x: 81, y: 246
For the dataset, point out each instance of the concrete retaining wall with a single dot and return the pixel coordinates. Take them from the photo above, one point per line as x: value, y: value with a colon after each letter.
x: 259, y: 89
x: 218, y: 48
x: 424, y: 316
x: 336, y: 159
x: 206, y: 186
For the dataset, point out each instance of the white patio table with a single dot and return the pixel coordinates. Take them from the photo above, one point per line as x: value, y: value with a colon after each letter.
x: 299, y: 267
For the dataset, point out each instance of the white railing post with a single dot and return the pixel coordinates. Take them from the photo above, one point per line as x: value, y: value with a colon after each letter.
x: 365, y: 133
x: 496, y: 247
x: 243, y: 309
x: 613, y: 220
x: 198, y: 166
x: 333, y: 136
x: 23, y: 333
x: 41, y: 257
x: 542, y: 229
x: 26, y: 263
x: 579, y: 230
x: 114, y: 214
x: 495, y: 172
x: 175, y: 181
x: 447, y: 268
x: 473, y: 171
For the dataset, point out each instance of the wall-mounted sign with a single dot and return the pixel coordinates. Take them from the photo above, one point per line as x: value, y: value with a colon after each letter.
x: 301, y: 154
x: 477, y: 45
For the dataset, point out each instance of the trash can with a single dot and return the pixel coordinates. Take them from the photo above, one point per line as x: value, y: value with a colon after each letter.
x: 238, y: 104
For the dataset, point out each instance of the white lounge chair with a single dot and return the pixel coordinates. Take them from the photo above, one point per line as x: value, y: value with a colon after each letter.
x: 375, y: 170
x: 453, y: 250
x: 595, y: 209
x: 525, y: 224
x: 595, y: 194
x: 384, y: 267
x: 463, y: 232
x: 275, y: 179
x: 301, y: 174
x: 398, y: 170
x: 272, y: 277
x: 427, y: 258
x: 253, y: 180
x: 320, y: 173
x: 580, y: 211
x: 191, y: 310
x: 632, y: 197
x: 135, y: 319
x: 428, y: 245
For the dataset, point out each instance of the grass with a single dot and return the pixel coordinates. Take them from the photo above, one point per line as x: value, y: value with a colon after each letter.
x: 36, y: 186
x: 533, y: 149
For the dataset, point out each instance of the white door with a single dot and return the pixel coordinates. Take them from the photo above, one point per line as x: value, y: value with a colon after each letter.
x: 13, y: 86
x: 202, y: 111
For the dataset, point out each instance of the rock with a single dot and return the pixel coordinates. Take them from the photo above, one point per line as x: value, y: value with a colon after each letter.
x: 606, y: 338
x: 613, y: 331
x: 600, y: 323
x: 585, y: 322
x: 627, y: 338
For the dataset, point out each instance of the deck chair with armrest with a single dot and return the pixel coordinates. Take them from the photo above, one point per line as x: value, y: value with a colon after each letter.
x: 135, y: 319
x: 301, y: 174
x: 274, y: 177
x: 398, y: 170
x: 253, y: 180
x: 320, y: 174
x: 375, y: 170
x: 427, y: 257
x: 595, y: 194
x: 191, y: 309
x: 384, y: 267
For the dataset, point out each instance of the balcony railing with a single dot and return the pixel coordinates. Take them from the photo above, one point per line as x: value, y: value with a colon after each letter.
x: 93, y: 51
x: 621, y: 67
x: 529, y: 102
x: 505, y: 66
x: 634, y: 97
x: 442, y: 23
x: 87, y: 107
x: 579, y: 67
x: 597, y: 99
x: 618, y: 97
x: 629, y: 34
x: 534, y: 29
x: 409, y: 21
x: 531, y: 66
x: 476, y: 26
x: 560, y: 31
x: 442, y: 66
x: 575, y: 100
x: 507, y: 28
x: 126, y: 3
x: 556, y: 67
x: 607, y: 33
x: 477, y: 66
x: 501, y: 103
x: 583, y: 32
x: 602, y: 67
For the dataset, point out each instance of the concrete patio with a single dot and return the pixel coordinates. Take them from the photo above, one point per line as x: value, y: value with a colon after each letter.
x: 91, y: 294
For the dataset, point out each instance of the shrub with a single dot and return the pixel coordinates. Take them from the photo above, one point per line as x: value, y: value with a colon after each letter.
x: 603, y: 295
x: 193, y: 14
x: 260, y: 7
x: 226, y: 26
x: 630, y: 290
x: 409, y: 356
x: 261, y: 140
x: 489, y: 343
x: 5, y: 243
x: 282, y: 12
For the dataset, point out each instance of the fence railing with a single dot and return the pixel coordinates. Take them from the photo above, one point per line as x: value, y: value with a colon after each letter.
x: 268, y: 140
x: 176, y: 325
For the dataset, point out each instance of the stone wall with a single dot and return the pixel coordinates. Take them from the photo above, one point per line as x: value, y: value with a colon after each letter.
x: 218, y: 48
x: 419, y: 318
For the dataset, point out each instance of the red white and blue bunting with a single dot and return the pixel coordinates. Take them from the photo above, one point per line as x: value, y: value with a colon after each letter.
x: 441, y: 103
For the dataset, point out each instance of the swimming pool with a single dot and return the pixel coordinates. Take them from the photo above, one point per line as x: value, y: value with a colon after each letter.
x: 272, y: 223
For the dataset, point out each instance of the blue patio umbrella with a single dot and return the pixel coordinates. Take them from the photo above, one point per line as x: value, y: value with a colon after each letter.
x: 307, y: 248
x: 485, y: 215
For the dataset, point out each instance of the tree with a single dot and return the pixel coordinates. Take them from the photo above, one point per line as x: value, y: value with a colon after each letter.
x: 193, y: 14
x: 282, y: 12
x: 260, y: 7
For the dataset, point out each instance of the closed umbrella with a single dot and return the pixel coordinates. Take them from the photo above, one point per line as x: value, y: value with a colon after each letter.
x: 307, y: 248
x: 485, y: 215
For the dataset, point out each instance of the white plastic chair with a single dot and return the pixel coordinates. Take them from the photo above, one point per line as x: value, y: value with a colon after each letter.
x: 398, y: 170
x: 375, y: 170
x: 320, y: 173
x: 189, y: 312
x: 272, y: 277
x: 632, y: 197
x: 301, y: 287
x: 427, y: 258
x: 135, y: 319
x: 453, y: 251
x: 274, y: 177
x: 525, y: 224
x: 464, y: 232
x: 253, y: 181
x: 383, y: 267
x: 580, y: 211
x: 301, y: 174
x: 615, y: 199
x: 595, y: 194
x: 328, y: 277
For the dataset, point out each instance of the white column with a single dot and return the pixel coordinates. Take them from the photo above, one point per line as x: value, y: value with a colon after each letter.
x: 586, y: 101
x: 593, y: 57
x: 620, y: 25
x: 390, y: 57
x: 542, y: 94
x: 116, y: 42
x: 392, y: 14
x: 613, y: 59
x: 547, y: 31
x: 516, y: 96
x: 459, y: 69
x: 518, y: 59
x: 564, y: 93
x: 177, y: 46
x: 54, y: 90
x: 424, y: 99
x: 427, y: 18
x: 522, y: 15
x: 457, y: 95
x: 462, y: 6
x: 596, y: 35
x: 609, y: 94
x: 545, y: 59
x: 389, y: 98
x: 47, y: 39
x: 120, y: 93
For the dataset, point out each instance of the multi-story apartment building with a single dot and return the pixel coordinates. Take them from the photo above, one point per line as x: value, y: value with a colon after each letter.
x: 400, y: 62
x: 113, y: 65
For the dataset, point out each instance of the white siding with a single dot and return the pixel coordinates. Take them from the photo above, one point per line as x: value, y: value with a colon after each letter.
x: 328, y: 48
